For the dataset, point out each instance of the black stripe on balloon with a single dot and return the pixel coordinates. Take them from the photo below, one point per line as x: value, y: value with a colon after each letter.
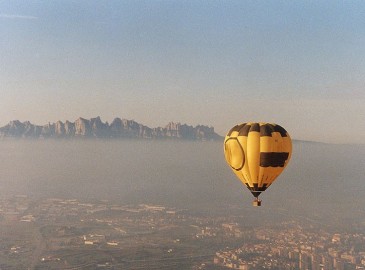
x: 256, y: 190
x: 244, y: 130
x: 273, y: 159
x: 281, y: 130
x: 256, y: 193
x: 266, y: 130
x: 255, y: 127
x: 256, y: 187
x: 235, y: 128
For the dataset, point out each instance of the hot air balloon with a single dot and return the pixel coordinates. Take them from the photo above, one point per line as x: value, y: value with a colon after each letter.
x: 257, y: 154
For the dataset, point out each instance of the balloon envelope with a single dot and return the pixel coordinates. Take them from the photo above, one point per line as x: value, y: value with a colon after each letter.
x: 257, y: 153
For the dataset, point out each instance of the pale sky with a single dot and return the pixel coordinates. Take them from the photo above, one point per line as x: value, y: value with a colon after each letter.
x: 300, y: 64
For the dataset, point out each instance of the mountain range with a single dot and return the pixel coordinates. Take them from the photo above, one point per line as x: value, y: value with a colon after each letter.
x: 118, y: 128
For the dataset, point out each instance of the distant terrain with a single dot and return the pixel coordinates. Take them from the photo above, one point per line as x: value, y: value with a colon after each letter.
x: 119, y: 128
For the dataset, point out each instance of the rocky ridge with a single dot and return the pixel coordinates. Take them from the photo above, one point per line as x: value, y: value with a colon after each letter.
x: 118, y: 128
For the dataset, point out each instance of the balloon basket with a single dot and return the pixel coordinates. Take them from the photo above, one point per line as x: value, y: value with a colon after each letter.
x: 256, y: 202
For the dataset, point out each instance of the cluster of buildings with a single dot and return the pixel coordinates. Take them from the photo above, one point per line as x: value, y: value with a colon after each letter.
x: 293, y: 247
x: 174, y: 235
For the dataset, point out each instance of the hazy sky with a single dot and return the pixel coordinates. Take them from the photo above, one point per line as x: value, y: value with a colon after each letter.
x: 297, y: 63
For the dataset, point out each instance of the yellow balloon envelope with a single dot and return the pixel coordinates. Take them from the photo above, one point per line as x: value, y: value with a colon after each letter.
x: 257, y: 154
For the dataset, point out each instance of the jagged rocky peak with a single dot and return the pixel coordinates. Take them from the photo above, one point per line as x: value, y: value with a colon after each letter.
x: 48, y: 130
x: 82, y: 127
x: 116, y: 127
x: 96, y: 128
x: 116, y: 121
x: 15, y: 127
x: 173, y: 130
x: 15, y: 123
x: 69, y: 128
x: 96, y: 121
x: 173, y: 126
x: 60, y: 129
